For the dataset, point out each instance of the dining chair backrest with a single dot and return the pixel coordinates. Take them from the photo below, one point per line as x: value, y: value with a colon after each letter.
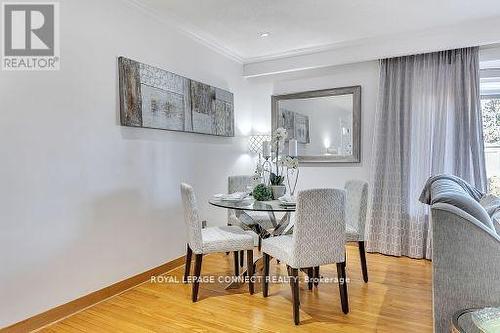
x: 356, y: 206
x: 319, y: 230
x: 237, y: 184
x: 191, y: 218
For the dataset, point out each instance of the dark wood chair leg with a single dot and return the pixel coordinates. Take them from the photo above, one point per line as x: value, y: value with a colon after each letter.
x: 316, y: 276
x: 259, y: 245
x: 242, y: 258
x: 346, y: 297
x: 289, y: 272
x: 294, y: 284
x: 250, y: 271
x: 187, y: 268
x: 343, y: 287
x: 265, y: 274
x: 310, y: 277
x: 197, y: 272
x: 236, y: 263
x: 362, y: 256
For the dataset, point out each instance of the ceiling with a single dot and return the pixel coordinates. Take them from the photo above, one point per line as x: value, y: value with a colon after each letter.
x: 306, y: 26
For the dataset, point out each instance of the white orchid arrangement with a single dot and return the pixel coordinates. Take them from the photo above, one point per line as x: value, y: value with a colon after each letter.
x: 279, y: 135
x: 287, y: 167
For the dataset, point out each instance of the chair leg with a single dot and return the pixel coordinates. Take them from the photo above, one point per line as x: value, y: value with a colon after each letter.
x: 362, y: 256
x: 187, y: 268
x: 236, y: 263
x: 250, y: 271
x: 289, y: 272
x: 259, y: 246
x: 310, y: 277
x: 242, y: 258
x: 294, y: 284
x: 265, y: 274
x: 197, y: 272
x: 316, y: 276
x: 343, y: 286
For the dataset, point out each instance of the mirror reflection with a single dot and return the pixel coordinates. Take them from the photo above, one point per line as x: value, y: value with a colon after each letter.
x: 324, y: 124
x: 321, y: 126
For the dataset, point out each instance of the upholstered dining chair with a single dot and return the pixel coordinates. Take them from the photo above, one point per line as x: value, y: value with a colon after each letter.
x: 211, y: 240
x: 356, y: 206
x: 318, y: 239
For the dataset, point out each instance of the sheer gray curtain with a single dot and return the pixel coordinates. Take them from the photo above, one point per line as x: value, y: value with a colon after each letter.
x: 428, y: 122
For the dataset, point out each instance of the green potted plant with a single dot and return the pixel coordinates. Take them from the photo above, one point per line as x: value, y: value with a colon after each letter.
x: 277, y: 186
x: 262, y: 192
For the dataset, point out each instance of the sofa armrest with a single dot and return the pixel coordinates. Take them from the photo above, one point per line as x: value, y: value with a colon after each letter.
x: 466, y: 264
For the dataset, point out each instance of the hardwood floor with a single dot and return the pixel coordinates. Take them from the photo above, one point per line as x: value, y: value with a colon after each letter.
x: 397, y: 298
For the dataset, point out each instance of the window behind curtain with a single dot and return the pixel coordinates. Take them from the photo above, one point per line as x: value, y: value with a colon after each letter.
x: 490, y: 105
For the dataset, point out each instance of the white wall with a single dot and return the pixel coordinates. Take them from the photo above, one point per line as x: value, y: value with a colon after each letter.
x: 85, y: 202
x: 364, y: 74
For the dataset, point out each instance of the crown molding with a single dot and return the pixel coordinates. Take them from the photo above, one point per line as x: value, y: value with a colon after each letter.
x: 472, y: 33
x: 191, y: 33
x: 307, y: 50
x: 201, y: 38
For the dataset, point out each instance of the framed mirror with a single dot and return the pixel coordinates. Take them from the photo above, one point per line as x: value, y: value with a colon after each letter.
x: 326, y: 124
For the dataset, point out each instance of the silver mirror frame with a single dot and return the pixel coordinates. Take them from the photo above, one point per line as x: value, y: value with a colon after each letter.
x: 356, y: 119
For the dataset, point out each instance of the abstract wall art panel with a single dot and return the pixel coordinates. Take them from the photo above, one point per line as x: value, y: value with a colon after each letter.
x: 162, y: 109
x: 154, y: 98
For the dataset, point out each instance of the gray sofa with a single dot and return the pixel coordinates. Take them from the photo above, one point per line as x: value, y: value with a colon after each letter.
x: 466, y: 250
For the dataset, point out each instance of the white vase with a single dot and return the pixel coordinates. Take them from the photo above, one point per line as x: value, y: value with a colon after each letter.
x: 278, y: 191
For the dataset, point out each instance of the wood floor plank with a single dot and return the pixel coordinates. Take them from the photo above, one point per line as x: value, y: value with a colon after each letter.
x: 397, y: 299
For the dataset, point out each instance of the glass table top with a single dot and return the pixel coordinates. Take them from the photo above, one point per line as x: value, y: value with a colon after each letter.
x: 253, y: 205
x: 486, y: 320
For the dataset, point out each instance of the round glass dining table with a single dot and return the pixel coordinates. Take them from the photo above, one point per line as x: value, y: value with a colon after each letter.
x: 251, y: 205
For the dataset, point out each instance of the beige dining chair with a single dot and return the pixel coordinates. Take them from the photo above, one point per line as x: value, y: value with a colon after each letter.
x: 202, y: 241
x: 318, y: 239
x: 356, y: 207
